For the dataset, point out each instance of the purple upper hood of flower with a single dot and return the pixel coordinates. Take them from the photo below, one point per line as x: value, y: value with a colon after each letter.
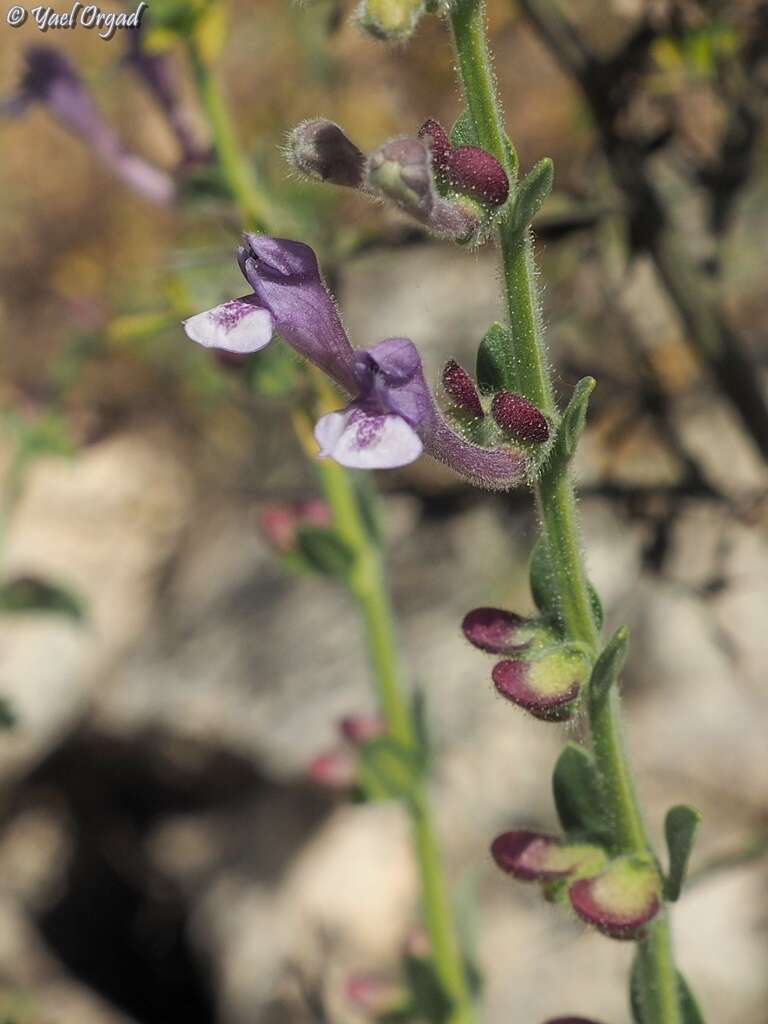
x: 392, y: 415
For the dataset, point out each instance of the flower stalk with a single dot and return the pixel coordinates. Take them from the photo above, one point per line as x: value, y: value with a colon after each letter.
x: 555, y: 498
x: 365, y: 580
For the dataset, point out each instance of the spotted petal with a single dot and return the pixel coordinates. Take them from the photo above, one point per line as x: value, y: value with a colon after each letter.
x: 240, y: 325
x: 362, y: 440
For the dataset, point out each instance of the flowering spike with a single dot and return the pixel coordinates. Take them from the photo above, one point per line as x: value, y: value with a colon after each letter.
x: 534, y: 857
x: 621, y: 900
x: 548, y: 686
x: 461, y: 389
x: 320, y: 149
x: 501, y: 632
x: 520, y: 418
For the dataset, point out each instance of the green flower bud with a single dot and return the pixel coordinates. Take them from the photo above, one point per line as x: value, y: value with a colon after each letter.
x: 390, y: 19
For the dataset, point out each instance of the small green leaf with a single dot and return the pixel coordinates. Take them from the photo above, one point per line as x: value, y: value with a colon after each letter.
x: 609, y: 665
x: 367, y: 503
x: 577, y: 794
x: 689, y: 1008
x: 680, y: 827
x: 29, y: 594
x: 421, y: 724
x: 530, y: 194
x: 430, y: 1001
x: 8, y: 717
x: 688, y: 1004
x: 597, y: 606
x: 495, y: 365
x: 463, y: 132
x: 466, y: 929
x: 324, y: 551
x: 544, y: 586
x: 542, y: 581
x: 574, y: 420
x: 388, y: 771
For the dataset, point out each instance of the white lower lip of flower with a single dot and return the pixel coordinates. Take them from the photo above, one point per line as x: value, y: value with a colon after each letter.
x: 361, y: 441
x: 236, y: 326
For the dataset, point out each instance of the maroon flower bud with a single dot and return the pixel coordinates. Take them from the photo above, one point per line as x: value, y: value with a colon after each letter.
x: 441, y: 146
x: 372, y: 994
x: 335, y: 769
x: 520, y: 418
x: 320, y: 149
x: 479, y: 174
x: 359, y: 729
x: 501, y: 632
x: 548, y: 686
x: 533, y: 857
x: 278, y: 523
x: 461, y: 389
x: 570, y: 1020
x: 621, y: 900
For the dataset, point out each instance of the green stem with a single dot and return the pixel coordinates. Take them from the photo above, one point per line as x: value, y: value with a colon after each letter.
x: 368, y: 585
x: 236, y: 170
x: 556, y: 501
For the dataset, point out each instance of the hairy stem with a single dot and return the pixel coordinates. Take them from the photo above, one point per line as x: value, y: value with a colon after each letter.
x: 368, y: 585
x: 556, y: 502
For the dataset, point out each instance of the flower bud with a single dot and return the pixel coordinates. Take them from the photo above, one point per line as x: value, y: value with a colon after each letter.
x: 533, y: 857
x: 334, y: 770
x: 360, y: 729
x: 520, y: 418
x: 390, y: 19
x: 278, y: 523
x: 461, y: 389
x: 401, y: 170
x: 621, y: 900
x: 440, y: 143
x: 373, y: 995
x: 570, y: 1020
x: 500, y: 632
x: 478, y: 174
x: 468, y: 169
x: 320, y: 149
x: 547, y: 686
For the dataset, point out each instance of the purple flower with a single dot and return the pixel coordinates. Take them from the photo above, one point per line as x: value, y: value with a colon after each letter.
x: 50, y: 79
x: 379, y: 429
x: 392, y: 416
